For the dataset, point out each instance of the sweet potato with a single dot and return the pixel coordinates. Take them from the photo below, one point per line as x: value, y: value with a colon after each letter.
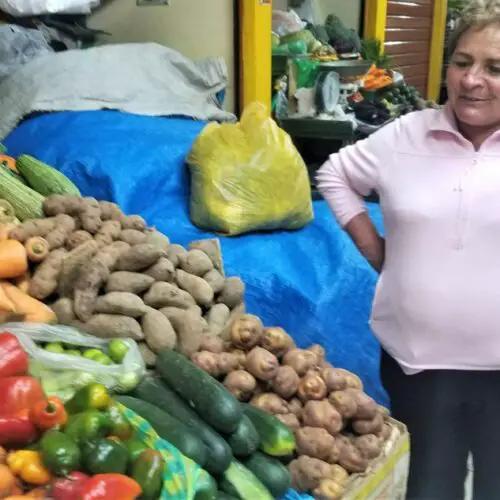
x: 64, y: 226
x: 45, y: 278
x: 110, y: 211
x: 210, y: 247
x: 277, y: 341
x: 139, y: 257
x: 161, y: 270
x: 240, y: 384
x: 109, y: 326
x: 246, y: 331
x: 233, y: 292
x: 334, y: 378
x: 190, y: 329
x: 110, y: 254
x: 135, y: 222
x: 77, y: 238
x: 212, y: 343
x: 271, y: 403
x: 197, y: 287
x: 147, y: 354
x: 90, y: 215
x: 162, y: 294
x: 127, y: 281
x: 369, y: 426
x: 328, y: 489
x: 107, y: 233
x: 317, y: 443
x: 195, y: 262
x: 62, y: 204
x: 307, y: 473
x: 32, y: 227
x: 217, y: 318
x: 369, y: 445
x: 173, y: 253
x: 207, y: 361
x: 158, y: 331
x: 262, y: 364
x: 154, y: 237
x: 300, y: 360
x: 133, y: 237
x: 216, y: 281
x: 311, y: 386
x: 63, y: 309
x: 286, y: 382
x: 125, y: 303
x: 344, y: 403
x: 322, y: 414
x: 290, y: 420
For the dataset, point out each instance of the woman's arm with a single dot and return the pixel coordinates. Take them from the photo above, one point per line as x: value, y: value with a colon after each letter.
x: 349, y: 175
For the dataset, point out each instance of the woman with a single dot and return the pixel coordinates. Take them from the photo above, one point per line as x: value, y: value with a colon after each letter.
x: 436, y: 310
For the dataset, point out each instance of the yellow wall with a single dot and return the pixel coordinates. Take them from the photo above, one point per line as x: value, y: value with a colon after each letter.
x: 196, y: 28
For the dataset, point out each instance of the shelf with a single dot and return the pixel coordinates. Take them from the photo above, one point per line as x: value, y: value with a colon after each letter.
x: 313, y: 128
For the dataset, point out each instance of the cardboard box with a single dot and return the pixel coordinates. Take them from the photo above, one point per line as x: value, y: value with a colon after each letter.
x: 386, y: 477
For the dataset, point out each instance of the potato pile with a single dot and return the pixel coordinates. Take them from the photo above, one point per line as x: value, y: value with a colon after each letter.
x: 112, y: 276
x: 338, y: 428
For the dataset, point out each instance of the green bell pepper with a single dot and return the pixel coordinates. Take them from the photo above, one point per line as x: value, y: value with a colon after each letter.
x: 148, y: 472
x: 60, y: 453
x: 135, y: 447
x: 87, y: 425
x: 104, y: 456
x: 91, y: 397
x: 120, y: 427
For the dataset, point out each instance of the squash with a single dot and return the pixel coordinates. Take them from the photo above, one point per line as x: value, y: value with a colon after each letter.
x: 13, y: 259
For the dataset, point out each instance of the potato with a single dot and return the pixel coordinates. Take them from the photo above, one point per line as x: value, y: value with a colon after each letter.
x: 367, y: 408
x: 386, y: 432
x: 270, y: 403
x: 295, y: 406
x: 286, y: 382
x: 322, y: 414
x: 207, y: 361
x: 139, y: 257
x: 109, y: 326
x: 197, y: 287
x: 290, y: 420
x: 162, y: 294
x: 300, y: 360
x: 233, y: 292
x: 369, y: 426
x: 127, y: 281
x: 352, y: 380
x: 195, y: 262
x: 307, y: 473
x: 344, y: 403
x: 158, y: 331
x: 262, y: 364
x: 212, y: 343
x: 246, y: 331
x: 240, y: 384
x: 227, y: 363
x: 277, y: 341
x: 161, y: 270
x: 125, y: 303
x: 328, y: 489
x: 369, y: 445
x: 319, y: 351
x: 311, y: 386
x: 317, y: 443
x: 334, y: 378
x: 351, y: 458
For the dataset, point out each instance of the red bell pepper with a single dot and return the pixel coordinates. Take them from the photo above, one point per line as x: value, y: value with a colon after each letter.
x: 111, y: 487
x: 70, y: 488
x: 16, y: 431
x: 13, y: 359
x: 18, y: 395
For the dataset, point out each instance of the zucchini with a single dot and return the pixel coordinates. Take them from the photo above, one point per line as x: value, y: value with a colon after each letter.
x: 208, y: 397
x: 43, y: 178
x: 13, y: 174
x: 270, y: 472
x: 276, y: 439
x: 26, y: 202
x: 168, y: 428
x: 155, y: 391
x: 244, y: 441
x: 240, y: 483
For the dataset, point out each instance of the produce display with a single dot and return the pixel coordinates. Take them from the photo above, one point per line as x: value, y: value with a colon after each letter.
x: 338, y: 429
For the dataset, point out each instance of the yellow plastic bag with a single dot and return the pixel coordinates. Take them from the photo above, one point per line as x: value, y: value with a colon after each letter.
x: 247, y: 177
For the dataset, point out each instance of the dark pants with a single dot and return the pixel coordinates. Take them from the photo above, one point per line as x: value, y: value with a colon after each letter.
x: 449, y: 413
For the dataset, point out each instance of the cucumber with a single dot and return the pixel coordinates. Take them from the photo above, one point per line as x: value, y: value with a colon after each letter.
x: 224, y: 496
x: 270, y: 472
x: 208, y: 491
x: 245, y: 440
x: 168, y: 428
x: 276, y: 439
x: 155, y: 391
x: 208, y: 397
x: 240, y: 483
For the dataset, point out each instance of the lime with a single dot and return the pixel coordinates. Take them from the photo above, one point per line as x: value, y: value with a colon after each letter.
x: 91, y: 353
x: 127, y: 382
x: 103, y: 359
x: 117, y: 349
x: 55, y: 347
x: 83, y: 380
x: 73, y: 352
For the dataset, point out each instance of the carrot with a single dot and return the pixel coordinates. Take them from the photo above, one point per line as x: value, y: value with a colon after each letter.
x: 9, y: 162
x: 37, y: 248
x: 23, y: 282
x: 34, y: 310
x: 6, y: 305
x: 7, y: 481
x: 13, y: 259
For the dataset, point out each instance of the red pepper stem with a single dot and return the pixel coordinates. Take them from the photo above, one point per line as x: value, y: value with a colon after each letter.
x: 51, y: 408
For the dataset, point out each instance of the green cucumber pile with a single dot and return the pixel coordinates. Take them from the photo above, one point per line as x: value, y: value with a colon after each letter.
x: 242, y: 447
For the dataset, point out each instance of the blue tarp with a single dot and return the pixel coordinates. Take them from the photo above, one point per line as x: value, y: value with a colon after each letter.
x: 311, y: 282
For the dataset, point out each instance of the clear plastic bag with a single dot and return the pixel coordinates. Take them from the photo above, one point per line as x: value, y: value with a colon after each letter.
x: 63, y: 374
x: 23, y: 8
x: 247, y: 177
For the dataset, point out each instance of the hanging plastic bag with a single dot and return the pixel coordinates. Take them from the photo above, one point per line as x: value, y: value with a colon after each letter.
x: 24, y: 8
x: 62, y: 374
x: 247, y: 177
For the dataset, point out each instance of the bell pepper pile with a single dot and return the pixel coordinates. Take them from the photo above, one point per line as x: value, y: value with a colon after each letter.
x: 80, y: 450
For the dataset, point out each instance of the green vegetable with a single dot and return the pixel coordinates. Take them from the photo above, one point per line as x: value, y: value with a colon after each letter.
x: 276, y: 439
x: 208, y: 397
x: 208, y: 491
x: 168, y: 428
x: 73, y: 352
x: 224, y: 496
x: 156, y: 392
x: 271, y: 473
x: 27, y: 203
x: 135, y: 447
x: 60, y: 453
x: 117, y: 350
x: 55, y: 347
x: 92, y: 353
x: 87, y: 425
x: 148, y: 472
x: 245, y: 440
x: 11, y: 172
x: 120, y: 427
x: 104, y: 456
x: 43, y: 178
x: 239, y: 482
x: 91, y: 397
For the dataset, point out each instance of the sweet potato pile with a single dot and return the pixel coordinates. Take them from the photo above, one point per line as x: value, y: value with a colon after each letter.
x: 338, y: 428
x: 111, y: 275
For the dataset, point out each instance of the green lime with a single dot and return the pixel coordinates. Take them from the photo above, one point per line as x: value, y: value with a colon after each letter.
x: 117, y: 349
x: 103, y: 359
x: 73, y: 352
x: 55, y: 347
x: 127, y: 382
x: 92, y: 353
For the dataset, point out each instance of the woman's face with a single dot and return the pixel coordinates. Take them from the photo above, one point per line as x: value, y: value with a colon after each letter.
x: 474, y: 77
